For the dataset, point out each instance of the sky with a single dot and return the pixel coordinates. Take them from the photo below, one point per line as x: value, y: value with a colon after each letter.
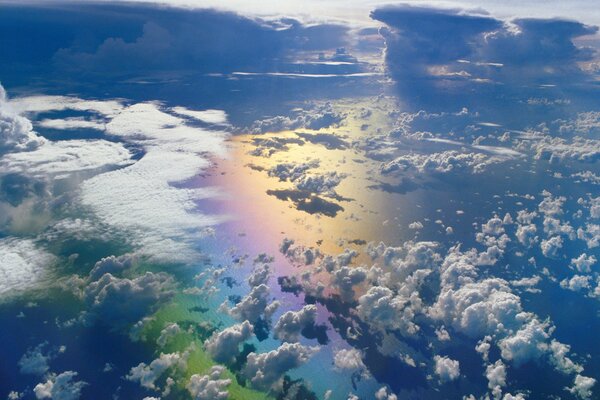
x: 299, y: 200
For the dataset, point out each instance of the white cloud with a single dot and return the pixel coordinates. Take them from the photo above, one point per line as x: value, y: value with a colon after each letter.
x: 224, y: 346
x: 141, y: 199
x: 349, y: 359
x: 217, y: 117
x: 39, y: 104
x: 254, y: 305
x: 22, y: 265
x: 582, y: 387
x: 147, y: 374
x: 72, y: 123
x: 66, y: 157
x: 290, y: 325
x: 169, y: 332
x: 60, y: 387
x: 446, y: 368
x: 210, y: 386
x: 265, y: 369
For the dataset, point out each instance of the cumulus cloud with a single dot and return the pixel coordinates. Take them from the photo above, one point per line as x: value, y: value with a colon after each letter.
x: 446, y: 368
x: 582, y: 387
x: 147, y: 374
x: 253, y: 306
x: 34, y: 361
x: 60, y: 387
x: 223, y: 346
x: 382, y: 309
x: 266, y: 369
x: 349, y: 359
x: 291, y: 324
x: 210, y: 386
x: 16, y: 131
x: 169, y: 332
x: 443, y: 163
x: 432, y: 49
x: 316, y: 117
x: 122, y: 301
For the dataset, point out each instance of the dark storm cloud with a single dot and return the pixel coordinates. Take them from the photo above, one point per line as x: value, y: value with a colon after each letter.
x: 119, y: 39
x: 431, y: 51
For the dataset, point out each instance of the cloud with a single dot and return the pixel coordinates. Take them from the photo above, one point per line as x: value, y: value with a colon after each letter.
x: 446, y: 368
x: 349, y: 359
x: 430, y: 51
x: 16, y: 132
x: 291, y: 324
x: 169, y: 332
x: 253, y: 306
x: 317, y: 117
x: 23, y: 264
x: 141, y: 198
x: 450, y: 161
x: 384, y: 310
x: 223, y: 346
x: 122, y: 301
x: 582, y: 387
x: 147, y: 374
x: 266, y: 369
x: 204, y: 40
x: 214, y: 117
x: 34, y: 361
x: 60, y: 387
x: 67, y: 157
x: 210, y: 386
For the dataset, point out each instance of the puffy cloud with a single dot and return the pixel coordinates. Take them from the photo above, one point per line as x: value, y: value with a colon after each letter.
x: 528, y: 343
x: 591, y: 235
x: 260, y: 275
x: 349, y: 359
x: 584, y: 263
x: 112, y: 265
x: 147, y: 374
x: 345, y: 278
x: 210, y: 386
x: 16, y: 132
x: 60, y: 387
x: 34, y: 361
x: 582, y: 387
x: 496, y: 375
x: 307, y: 181
x: 265, y: 369
x: 478, y: 308
x: 169, y: 331
x: 383, y: 394
x: 446, y: 368
x: 441, y: 163
x: 526, y: 234
x: 291, y: 324
x: 576, y: 283
x: 381, y: 309
x: 223, y: 346
x: 23, y: 264
x: 121, y: 301
x: 254, y: 305
x: 551, y: 247
x: 318, y: 117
